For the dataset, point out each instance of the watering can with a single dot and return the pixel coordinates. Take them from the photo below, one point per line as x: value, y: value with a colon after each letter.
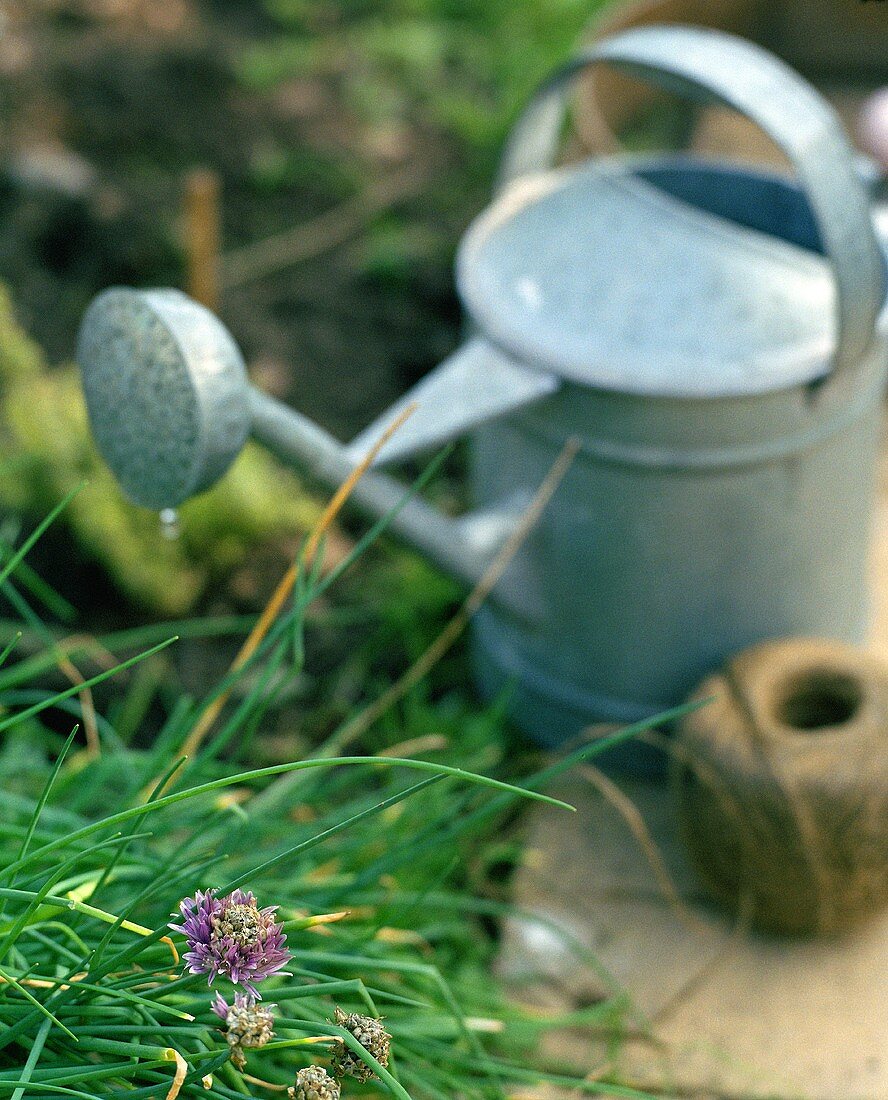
x: 713, y: 336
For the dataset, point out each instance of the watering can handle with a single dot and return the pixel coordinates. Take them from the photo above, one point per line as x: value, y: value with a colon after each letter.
x: 713, y: 67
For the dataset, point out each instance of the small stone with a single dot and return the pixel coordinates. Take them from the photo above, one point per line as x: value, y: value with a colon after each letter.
x: 53, y: 169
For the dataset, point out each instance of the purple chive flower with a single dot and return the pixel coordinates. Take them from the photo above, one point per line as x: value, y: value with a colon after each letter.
x: 232, y: 936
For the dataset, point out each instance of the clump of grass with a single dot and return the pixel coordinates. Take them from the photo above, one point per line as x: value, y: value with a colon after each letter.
x: 356, y: 852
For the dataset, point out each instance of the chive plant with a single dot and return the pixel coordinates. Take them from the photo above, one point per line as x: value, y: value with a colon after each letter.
x: 198, y: 928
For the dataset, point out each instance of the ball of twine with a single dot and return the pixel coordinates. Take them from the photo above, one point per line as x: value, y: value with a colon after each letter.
x: 782, y: 785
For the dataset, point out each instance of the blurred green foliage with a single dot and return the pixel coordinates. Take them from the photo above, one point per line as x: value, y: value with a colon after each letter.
x: 426, y: 85
x: 461, y: 67
x: 46, y: 450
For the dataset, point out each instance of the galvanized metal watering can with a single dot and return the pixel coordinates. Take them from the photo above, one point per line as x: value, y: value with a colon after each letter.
x: 714, y: 336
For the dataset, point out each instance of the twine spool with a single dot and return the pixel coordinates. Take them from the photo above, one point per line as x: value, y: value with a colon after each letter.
x: 782, y: 785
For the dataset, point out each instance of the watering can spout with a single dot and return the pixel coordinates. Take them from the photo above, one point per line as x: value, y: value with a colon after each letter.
x: 463, y: 547
x: 171, y: 407
x: 476, y: 384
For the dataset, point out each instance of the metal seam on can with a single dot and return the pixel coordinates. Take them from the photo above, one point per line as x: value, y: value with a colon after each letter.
x: 716, y: 458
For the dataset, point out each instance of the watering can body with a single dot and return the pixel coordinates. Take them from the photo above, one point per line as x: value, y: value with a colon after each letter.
x: 713, y: 338
x: 684, y: 529
x: 719, y: 338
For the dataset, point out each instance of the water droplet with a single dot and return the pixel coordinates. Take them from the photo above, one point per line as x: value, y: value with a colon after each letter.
x: 169, y: 523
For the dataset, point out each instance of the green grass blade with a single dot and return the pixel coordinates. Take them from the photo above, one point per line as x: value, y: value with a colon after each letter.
x: 305, y: 845
x: 21, y: 716
x: 33, y: 1058
x: 38, y: 533
x: 44, y: 794
x: 282, y: 769
x: 41, y: 1008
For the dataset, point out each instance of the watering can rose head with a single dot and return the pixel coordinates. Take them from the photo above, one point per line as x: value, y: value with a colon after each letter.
x: 165, y: 387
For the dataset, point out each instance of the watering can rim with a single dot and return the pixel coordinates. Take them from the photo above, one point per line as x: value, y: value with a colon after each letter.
x: 792, y: 363
x: 712, y: 66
